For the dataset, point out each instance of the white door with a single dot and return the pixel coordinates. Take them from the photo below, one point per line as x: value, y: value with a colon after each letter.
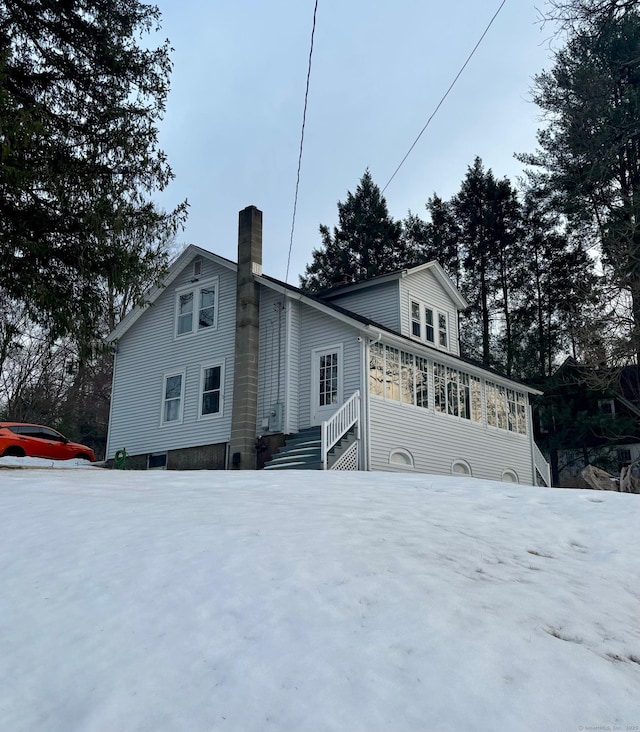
x: 326, y: 385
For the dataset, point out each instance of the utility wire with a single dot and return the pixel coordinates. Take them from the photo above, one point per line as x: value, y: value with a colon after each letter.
x: 446, y: 94
x: 304, y: 118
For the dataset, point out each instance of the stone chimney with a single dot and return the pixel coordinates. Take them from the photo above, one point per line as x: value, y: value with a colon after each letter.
x: 245, y: 371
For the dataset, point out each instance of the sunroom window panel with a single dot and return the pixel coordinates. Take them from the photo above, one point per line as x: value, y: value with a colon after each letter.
x: 407, y: 378
x: 439, y: 388
x: 465, y: 401
x: 492, y: 415
x: 512, y: 415
x: 501, y: 404
x: 522, y: 413
x: 392, y: 375
x: 422, y: 382
x: 476, y: 399
x: 376, y: 369
x: 452, y: 392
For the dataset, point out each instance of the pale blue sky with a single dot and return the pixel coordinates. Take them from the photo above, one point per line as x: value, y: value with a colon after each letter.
x: 232, y: 127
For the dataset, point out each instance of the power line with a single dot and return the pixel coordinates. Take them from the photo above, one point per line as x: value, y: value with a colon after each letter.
x: 446, y: 94
x: 304, y: 118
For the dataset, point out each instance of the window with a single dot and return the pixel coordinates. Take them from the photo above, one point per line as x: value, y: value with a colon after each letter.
x: 416, y: 323
x: 185, y: 313
x: 197, y: 267
x: 624, y: 456
x: 392, y: 374
x: 376, y: 369
x: 407, y: 377
x: 211, y: 378
x: 422, y: 382
x: 506, y: 408
x: 442, y: 330
x: 461, y: 467
x: 510, y: 476
x: 401, y: 457
x: 196, y: 308
x: 328, y: 382
x: 428, y: 319
x: 172, y: 398
x: 606, y: 407
x: 157, y: 461
x: 428, y: 324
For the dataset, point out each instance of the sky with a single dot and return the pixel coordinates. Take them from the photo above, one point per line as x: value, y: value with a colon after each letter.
x: 233, y: 120
x: 369, y: 602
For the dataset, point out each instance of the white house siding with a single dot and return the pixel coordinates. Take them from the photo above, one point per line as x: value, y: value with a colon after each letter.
x: 424, y: 287
x: 272, y: 355
x: 317, y: 331
x: 149, y: 350
x: 379, y: 303
x: 292, y: 354
x: 436, y: 441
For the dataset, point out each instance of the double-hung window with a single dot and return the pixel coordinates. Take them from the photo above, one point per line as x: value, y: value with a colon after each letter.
x: 172, y: 398
x: 197, y: 307
x: 211, y: 381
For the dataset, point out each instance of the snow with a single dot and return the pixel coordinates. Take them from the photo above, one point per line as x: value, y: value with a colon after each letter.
x: 312, y: 602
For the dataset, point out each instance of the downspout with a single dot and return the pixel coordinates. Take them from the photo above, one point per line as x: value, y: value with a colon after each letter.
x: 531, y: 443
x: 367, y: 398
x: 114, y: 349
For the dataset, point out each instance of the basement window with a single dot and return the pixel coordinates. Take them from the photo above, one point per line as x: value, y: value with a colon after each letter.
x: 157, y: 461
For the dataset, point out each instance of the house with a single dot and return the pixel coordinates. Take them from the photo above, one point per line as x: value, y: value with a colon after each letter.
x: 225, y: 367
x: 588, y: 416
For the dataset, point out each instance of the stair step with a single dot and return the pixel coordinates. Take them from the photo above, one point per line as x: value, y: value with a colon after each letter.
x: 294, y: 466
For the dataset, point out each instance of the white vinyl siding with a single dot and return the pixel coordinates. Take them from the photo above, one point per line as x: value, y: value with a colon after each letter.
x: 320, y: 332
x: 379, y: 303
x: 149, y: 350
x: 437, y: 442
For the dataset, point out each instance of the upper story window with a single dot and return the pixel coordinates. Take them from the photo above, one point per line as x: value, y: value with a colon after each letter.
x: 196, y: 307
x: 429, y: 325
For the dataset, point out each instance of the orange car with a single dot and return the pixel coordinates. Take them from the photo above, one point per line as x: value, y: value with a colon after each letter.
x: 32, y: 440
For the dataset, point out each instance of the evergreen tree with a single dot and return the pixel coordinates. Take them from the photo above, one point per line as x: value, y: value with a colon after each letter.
x: 79, y: 159
x: 590, y: 150
x: 367, y: 242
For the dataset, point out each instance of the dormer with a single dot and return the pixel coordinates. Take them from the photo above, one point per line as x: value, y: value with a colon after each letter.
x: 421, y: 303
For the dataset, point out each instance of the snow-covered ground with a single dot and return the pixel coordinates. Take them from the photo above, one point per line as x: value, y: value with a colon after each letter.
x: 309, y: 602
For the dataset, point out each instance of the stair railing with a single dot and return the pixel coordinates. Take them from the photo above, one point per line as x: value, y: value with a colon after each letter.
x: 542, y: 466
x: 339, y: 424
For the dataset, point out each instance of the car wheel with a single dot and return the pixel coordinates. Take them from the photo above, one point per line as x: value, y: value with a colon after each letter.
x: 13, y: 452
x: 82, y: 456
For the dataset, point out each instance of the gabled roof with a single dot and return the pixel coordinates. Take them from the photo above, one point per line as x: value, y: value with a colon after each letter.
x: 375, y: 330
x: 435, y: 268
x: 175, y: 268
x: 321, y: 302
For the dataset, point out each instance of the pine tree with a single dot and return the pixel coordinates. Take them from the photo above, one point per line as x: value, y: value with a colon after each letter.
x: 79, y: 159
x: 367, y: 242
x: 590, y: 151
